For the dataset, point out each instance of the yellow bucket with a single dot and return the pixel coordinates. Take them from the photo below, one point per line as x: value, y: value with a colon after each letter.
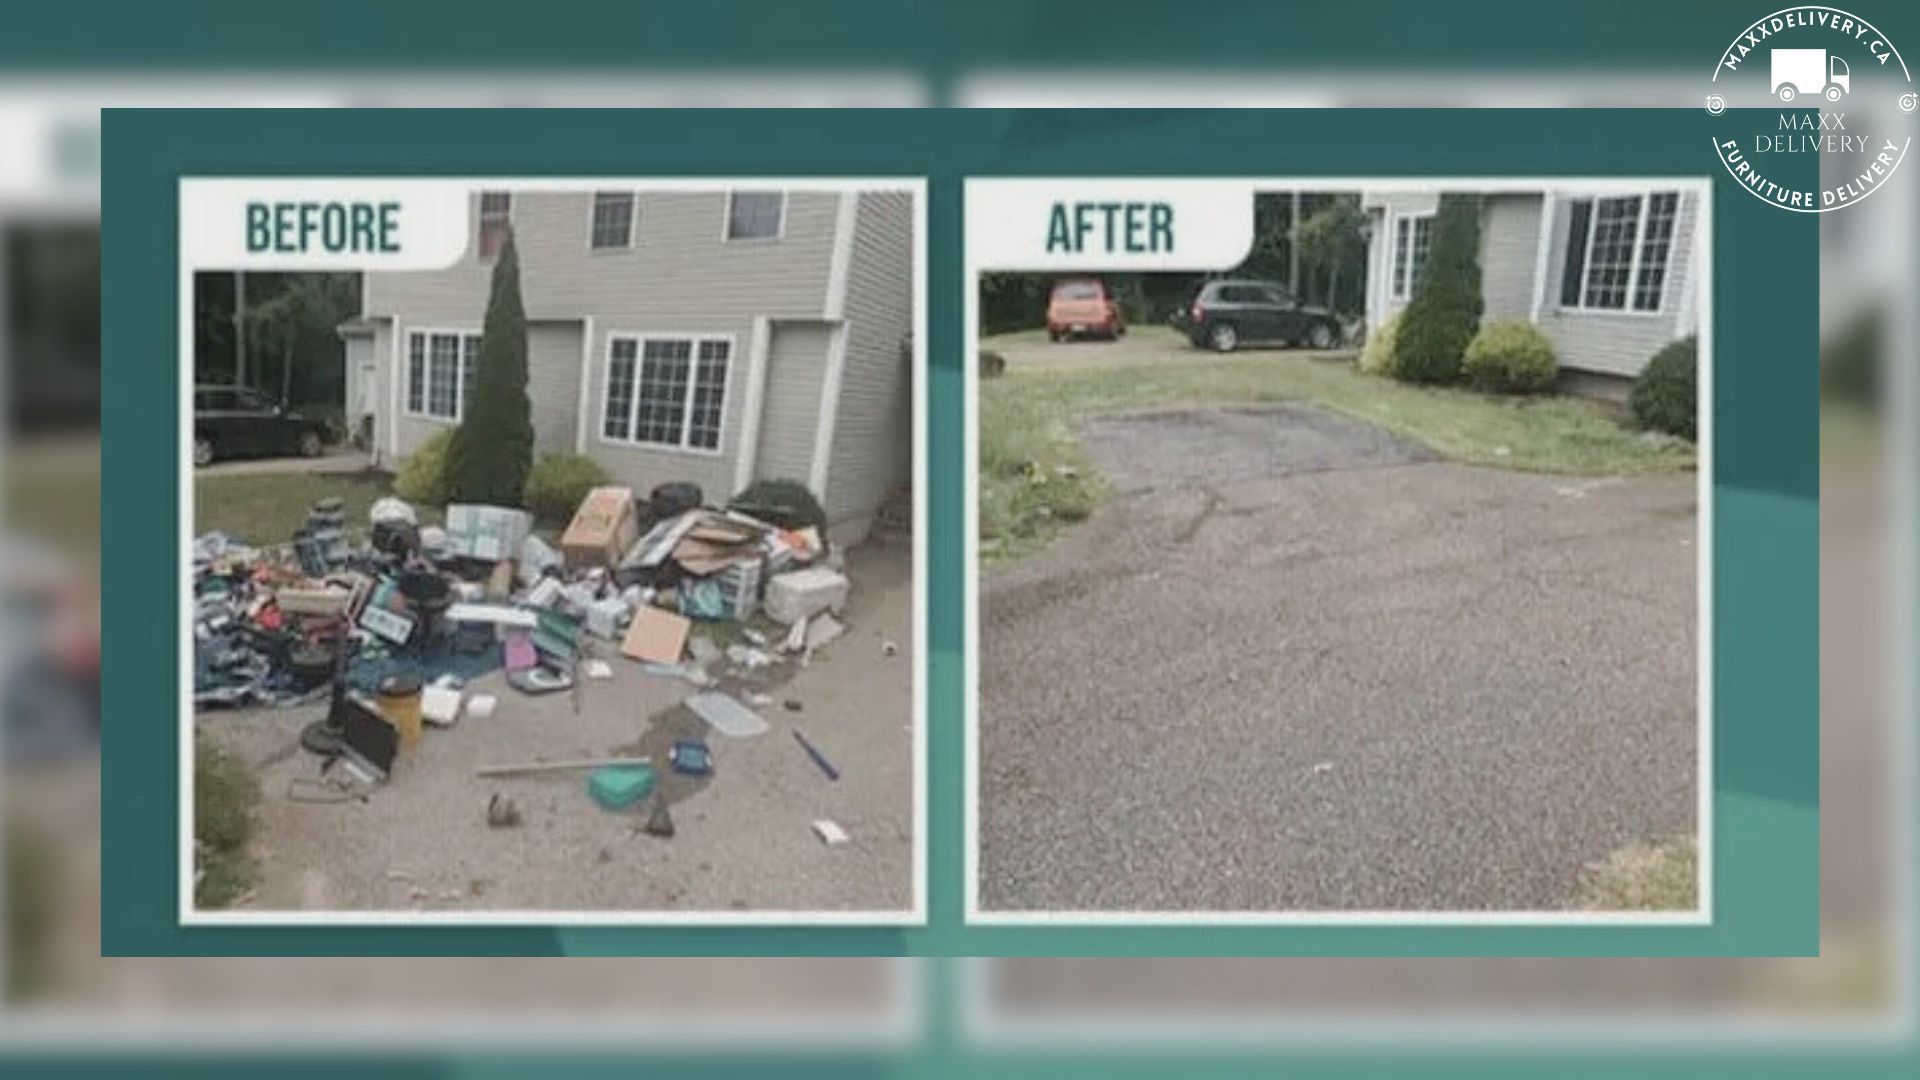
x: 399, y: 702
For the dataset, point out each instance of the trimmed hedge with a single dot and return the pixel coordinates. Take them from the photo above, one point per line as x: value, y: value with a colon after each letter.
x: 1445, y: 313
x: 422, y: 479
x: 492, y: 449
x: 786, y: 503
x: 1510, y: 358
x: 559, y: 482
x: 1377, y: 357
x: 1664, y: 397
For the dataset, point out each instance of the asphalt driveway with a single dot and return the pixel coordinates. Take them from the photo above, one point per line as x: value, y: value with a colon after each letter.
x: 1295, y: 664
x: 1141, y: 347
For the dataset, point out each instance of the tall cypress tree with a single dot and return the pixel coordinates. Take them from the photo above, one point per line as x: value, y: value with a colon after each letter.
x: 1445, y: 312
x: 491, y: 451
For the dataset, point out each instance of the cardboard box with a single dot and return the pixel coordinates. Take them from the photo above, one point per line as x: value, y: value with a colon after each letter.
x: 656, y: 636
x: 802, y: 593
x: 491, y: 533
x: 602, y: 530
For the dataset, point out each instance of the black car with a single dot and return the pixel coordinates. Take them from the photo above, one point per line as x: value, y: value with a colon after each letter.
x: 1225, y: 315
x: 233, y: 421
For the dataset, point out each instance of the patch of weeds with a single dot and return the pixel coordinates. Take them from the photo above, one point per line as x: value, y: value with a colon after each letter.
x: 31, y: 879
x: 1034, y: 476
x: 224, y: 795
x: 1658, y: 876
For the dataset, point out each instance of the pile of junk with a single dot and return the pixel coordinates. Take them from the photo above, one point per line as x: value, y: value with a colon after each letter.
x: 390, y: 621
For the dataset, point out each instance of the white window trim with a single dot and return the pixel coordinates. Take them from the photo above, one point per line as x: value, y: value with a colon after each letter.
x: 479, y: 219
x: 1633, y: 271
x: 633, y: 222
x: 726, y: 219
x: 686, y: 401
x: 405, y: 351
x: 1403, y: 290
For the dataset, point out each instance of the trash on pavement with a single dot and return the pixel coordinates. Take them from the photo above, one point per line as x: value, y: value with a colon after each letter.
x: 539, y: 680
x: 659, y: 820
x: 691, y: 757
x: 797, y: 595
x: 501, y: 812
x: 819, y: 759
x: 440, y: 706
x: 617, y: 787
x: 602, y: 529
x: 656, y: 635
x: 830, y: 833
x: 490, y: 533
x: 726, y: 715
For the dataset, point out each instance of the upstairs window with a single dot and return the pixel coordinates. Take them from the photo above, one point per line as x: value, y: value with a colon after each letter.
x: 755, y: 215
x: 1618, y: 251
x: 612, y: 220
x: 496, y: 213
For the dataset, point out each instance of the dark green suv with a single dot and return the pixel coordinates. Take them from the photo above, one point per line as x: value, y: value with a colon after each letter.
x: 234, y: 421
x: 1227, y: 314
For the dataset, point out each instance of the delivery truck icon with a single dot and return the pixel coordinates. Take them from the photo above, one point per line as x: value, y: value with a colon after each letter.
x: 1809, y: 71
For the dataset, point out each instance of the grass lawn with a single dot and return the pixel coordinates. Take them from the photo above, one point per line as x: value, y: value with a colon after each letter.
x: 1034, y: 475
x: 266, y: 508
x: 1644, y: 877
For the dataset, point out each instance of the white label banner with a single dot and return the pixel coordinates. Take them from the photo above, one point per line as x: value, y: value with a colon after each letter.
x: 347, y: 224
x: 1070, y: 223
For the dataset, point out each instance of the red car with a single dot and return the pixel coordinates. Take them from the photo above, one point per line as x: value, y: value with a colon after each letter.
x: 1081, y: 307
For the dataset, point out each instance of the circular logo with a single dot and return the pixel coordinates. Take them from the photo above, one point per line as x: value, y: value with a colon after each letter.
x: 1808, y: 104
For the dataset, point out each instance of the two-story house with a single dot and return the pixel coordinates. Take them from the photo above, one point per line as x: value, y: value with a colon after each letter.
x: 706, y: 334
x: 1608, y: 274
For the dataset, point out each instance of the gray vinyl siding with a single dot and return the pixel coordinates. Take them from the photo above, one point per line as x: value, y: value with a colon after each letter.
x: 790, y: 409
x: 678, y: 266
x: 553, y: 384
x: 1604, y: 342
x: 1618, y: 342
x: 1509, y: 246
x: 679, y: 276
x: 873, y: 430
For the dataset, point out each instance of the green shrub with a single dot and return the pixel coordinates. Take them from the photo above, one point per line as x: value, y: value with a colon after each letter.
x: 992, y: 364
x: 786, y: 503
x: 1377, y: 357
x: 1445, y: 312
x: 422, y: 479
x: 1850, y: 361
x: 1664, y: 397
x: 492, y: 449
x: 558, y: 482
x: 1510, y: 358
x: 224, y: 795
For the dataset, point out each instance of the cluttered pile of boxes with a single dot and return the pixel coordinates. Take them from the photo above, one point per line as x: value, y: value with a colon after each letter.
x: 393, y: 624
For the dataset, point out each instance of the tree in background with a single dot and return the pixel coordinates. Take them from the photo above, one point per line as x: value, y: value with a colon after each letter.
x: 1332, y: 241
x: 1445, y: 312
x: 492, y: 450
x: 292, y: 344
x: 299, y: 320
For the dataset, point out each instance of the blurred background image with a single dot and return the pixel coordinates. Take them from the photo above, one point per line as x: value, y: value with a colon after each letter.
x: 59, y: 992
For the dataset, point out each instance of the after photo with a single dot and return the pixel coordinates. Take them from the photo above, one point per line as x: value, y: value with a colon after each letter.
x: 1361, y: 580
x: 554, y: 552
